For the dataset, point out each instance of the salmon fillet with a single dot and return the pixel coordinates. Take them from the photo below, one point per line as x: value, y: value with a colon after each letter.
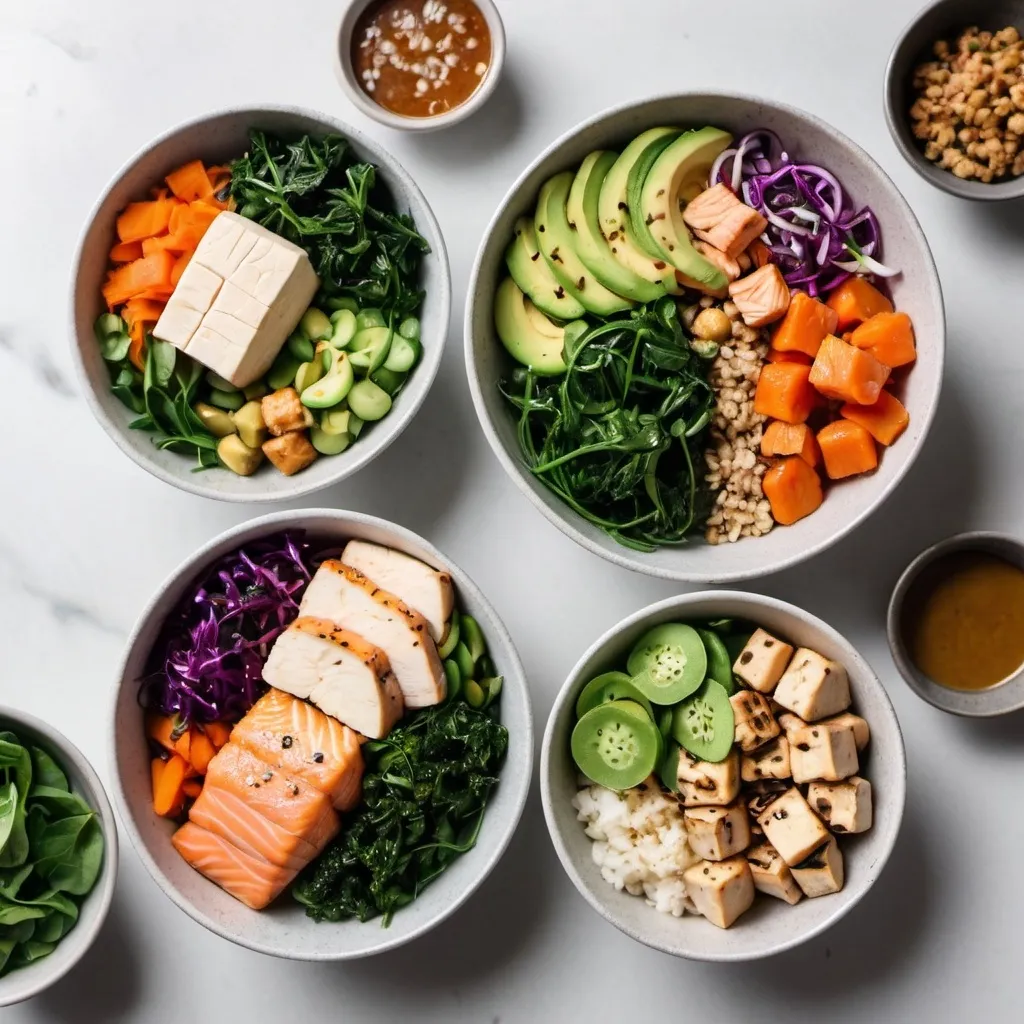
x: 761, y: 297
x: 255, y: 882
x: 717, y: 217
x: 300, y: 740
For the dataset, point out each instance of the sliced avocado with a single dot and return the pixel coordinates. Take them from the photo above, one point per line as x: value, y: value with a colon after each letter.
x: 679, y: 174
x: 533, y: 276
x: 591, y: 245
x: 528, y: 335
x: 641, y: 229
x: 557, y: 243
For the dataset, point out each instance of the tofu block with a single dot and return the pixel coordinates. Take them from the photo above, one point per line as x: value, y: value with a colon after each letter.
x: 822, y: 873
x: 813, y: 687
x: 843, y: 806
x: 771, y: 874
x: 792, y: 827
x: 861, y: 731
x: 768, y: 762
x: 755, y: 723
x: 762, y: 662
x: 290, y: 453
x: 705, y: 784
x: 227, y: 241
x: 194, y: 295
x: 283, y: 412
x: 817, y: 753
x: 720, y: 891
x: 716, y: 833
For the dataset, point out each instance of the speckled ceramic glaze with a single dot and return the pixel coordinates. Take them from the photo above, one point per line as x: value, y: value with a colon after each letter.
x: 33, y: 979
x: 770, y: 926
x: 220, y: 138
x: 917, y: 292
x: 283, y: 929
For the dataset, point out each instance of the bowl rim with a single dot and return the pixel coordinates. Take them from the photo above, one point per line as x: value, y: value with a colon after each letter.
x: 185, y: 571
x: 691, y: 602
x: 102, y: 892
x: 563, y: 519
x: 1002, y: 698
x: 343, y: 71
x: 192, y: 482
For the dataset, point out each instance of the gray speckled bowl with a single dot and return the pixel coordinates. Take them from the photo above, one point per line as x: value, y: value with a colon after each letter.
x: 31, y: 980
x: 770, y: 926
x: 283, y: 928
x: 219, y: 138
x: 917, y: 292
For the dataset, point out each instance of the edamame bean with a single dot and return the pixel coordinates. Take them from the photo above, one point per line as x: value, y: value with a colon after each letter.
x: 230, y: 400
x: 368, y: 401
x: 315, y: 324
x: 216, y: 421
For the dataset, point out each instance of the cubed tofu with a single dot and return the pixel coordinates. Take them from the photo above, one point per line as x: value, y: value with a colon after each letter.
x: 761, y: 297
x: 861, y: 731
x: 817, y: 753
x: 706, y: 783
x: 722, y: 890
x: 716, y: 833
x: 755, y: 724
x: 718, y: 217
x: 290, y: 452
x: 768, y: 762
x: 284, y: 412
x: 792, y: 827
x: 822, y: 872
x: 813, y: 687
x: 771, y: 874
x: 844, y: 806
x: 762, y: 662
x: 787, y: 719
x: 189, y: 302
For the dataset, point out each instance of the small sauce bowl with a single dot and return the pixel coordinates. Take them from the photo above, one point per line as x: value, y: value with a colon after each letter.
x: 366, y: 104
x: 999, y: 699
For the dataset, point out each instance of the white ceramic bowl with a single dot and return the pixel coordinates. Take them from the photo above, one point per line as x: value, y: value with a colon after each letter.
x: 36, y: 977
x: 917, y: 292
x: 770, y: 926
x: 219, y: 138
x: 283, y: 929
x: 364, y: 104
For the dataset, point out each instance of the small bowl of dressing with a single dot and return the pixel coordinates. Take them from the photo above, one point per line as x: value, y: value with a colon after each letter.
x: 956, y: 624
x: 420, y: 65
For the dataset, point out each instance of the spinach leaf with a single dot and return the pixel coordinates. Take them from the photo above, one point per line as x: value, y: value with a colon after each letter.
x: 58, y: 803
x: 46, y: 771
x: 8, y: 811
x: 15, y: 770
x: 69, y: 853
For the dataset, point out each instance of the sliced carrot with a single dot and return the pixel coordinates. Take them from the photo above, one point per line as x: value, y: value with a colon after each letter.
x: 137, y: 348
x: 159, y: 192
x: 192, y: 788
x: 884, y: 421
x: 218, y: 732
x: 160, y: 292
x: 793, y: 489
x: 179, y: 267
x: 138, y: 277
x: 172, y: 243
x: 168, y: 797
x: 183, y: 745
x: 190, y: 181
x: 143, y: 220
x: 805, y: 326
x: 147, y: 310
x: 845, y: 372
x: 783, y: 392
x: 790, y: 439
x: 160, y: 729
x: 856, y: 300
x: 202, y: 751
x: 775, y: 356
x: 125, y: 252
x: 889, y: 337
x: 847, y: 449
x: 188, y: 224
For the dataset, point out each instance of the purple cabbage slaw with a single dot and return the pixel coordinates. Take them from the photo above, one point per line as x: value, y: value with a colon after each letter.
x: 208, y: 663
x: 815, y: 234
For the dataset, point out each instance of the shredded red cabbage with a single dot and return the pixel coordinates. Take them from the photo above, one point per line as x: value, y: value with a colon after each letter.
x: 208, y: 664
x: 815, y: 234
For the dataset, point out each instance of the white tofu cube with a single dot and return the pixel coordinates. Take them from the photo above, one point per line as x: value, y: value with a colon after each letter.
x: 761, y: 663
x: 721, y: 891
x: 861, y: 732
x: 716, y: 833
x: 813, y: 687
x: 188, y: 304
x: 844, y: 806
x: 706, y: 783
x: 822, y: 873
x: 768, y: 762
x: 771, y: 874
x: 816, y: 752
x: 792, y: 827
x: 227, y: 242
x: 755, y: 723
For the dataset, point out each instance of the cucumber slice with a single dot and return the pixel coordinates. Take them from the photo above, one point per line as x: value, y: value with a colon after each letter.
x: 668, y: 663
x: 389, y: 380
x: 368, y: 401
x: 301, y: 347
x: 308, y: 374
x: 719, y: 663
x: 369, y: 348
x: 402, y: 355
x: 445, y: 649
x: 344, y: 322
x: 335, y: 421
x: 369, y: 318
x: 609, y: 686
x: 473, y: 637
x: 410, y: 329
x: 704, y: 723
x: 333, y: 388
x: 355, y: 425
x: 230, y: 400
x: 315, y: 324
x: 454, y: 679
x: 282, y: 373
x: 328, y: 444
x: 464, y: 660
x: 615, y: 747
x: 338, y: 304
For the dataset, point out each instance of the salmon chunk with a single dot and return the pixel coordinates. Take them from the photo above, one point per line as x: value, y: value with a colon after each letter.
x: 718, y: 217
x: 761, y: 297
x: 249, y: 879
x: 296, y: 738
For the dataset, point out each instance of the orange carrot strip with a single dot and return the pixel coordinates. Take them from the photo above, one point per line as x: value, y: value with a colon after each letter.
x: 167, y: 782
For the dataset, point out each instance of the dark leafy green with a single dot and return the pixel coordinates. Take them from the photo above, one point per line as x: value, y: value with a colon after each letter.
x: 619, y: 436
x: 424, y: 795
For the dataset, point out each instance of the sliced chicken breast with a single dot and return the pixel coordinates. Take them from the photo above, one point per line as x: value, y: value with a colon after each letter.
x: 422, y: 588
x: 352, y: 601
x: 340, y: 672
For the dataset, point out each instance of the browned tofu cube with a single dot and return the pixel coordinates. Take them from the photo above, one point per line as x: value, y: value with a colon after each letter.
x: 290, y: 452
x: 844, y: 806
x: 706, y: 783
x: 818, y: 753
x: 822, y: 873
x: 768, y: 762
x: 792, y: 827
x: 284, y: 412
x: 716, y: 833
x: 721, y: 890
x: 755, y: 724
x: 761, y: 663
x: 772, y: 875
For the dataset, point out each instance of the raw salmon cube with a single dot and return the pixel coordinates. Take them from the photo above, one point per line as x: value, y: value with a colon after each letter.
x: 717, y: 217
x: 761, y: 297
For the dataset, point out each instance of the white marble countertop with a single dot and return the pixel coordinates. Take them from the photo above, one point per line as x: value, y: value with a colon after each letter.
x: 86, y: 536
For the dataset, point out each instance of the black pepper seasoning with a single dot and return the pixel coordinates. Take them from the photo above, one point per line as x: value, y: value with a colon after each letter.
x: 286, y: 742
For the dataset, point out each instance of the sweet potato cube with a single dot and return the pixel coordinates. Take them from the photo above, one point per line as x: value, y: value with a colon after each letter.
x: 848, y: 373
x: 805, y: 326
x: 847, y: 449
x: 790, y: 439
x: 855, y: 301
x: 793, y: 489
x: 777, y: 356
x: 885, y: 420
x: 889, y: 337
x: 784, y: 392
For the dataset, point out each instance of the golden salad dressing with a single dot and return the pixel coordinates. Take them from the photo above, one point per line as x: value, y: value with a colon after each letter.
x: 963, y: 620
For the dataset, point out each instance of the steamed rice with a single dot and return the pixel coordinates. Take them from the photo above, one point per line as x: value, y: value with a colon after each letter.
x: 639, y: 843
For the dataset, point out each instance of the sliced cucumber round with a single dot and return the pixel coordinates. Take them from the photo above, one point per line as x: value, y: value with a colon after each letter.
x: 409, y: 328
x: 390, y: 380
x: 369, y: 348
x: 402, y: 355
x: 610, y: 686
x: 368, y: 401
x: 344, y: 323
x: 369, y: 318
x: 328, y: 444
x: 668, y: 663
x: 335, y: 421
x: 704, y: 723
x: 615, y: 747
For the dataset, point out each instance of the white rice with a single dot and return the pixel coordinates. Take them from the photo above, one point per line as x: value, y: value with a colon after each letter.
x: 639, y: 843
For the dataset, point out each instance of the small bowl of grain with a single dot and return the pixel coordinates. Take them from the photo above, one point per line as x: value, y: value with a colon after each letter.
x: 954, y: 97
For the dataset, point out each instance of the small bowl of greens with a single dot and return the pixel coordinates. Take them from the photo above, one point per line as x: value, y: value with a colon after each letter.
x: 58, y: 856
x: 259, y: 294
x: 328, y: 818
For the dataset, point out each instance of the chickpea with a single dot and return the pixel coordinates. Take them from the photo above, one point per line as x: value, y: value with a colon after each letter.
x: 712, y: 325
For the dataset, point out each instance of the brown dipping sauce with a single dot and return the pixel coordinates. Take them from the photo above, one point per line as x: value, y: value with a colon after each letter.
x: 963, y: 620
x: 421, y: 58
